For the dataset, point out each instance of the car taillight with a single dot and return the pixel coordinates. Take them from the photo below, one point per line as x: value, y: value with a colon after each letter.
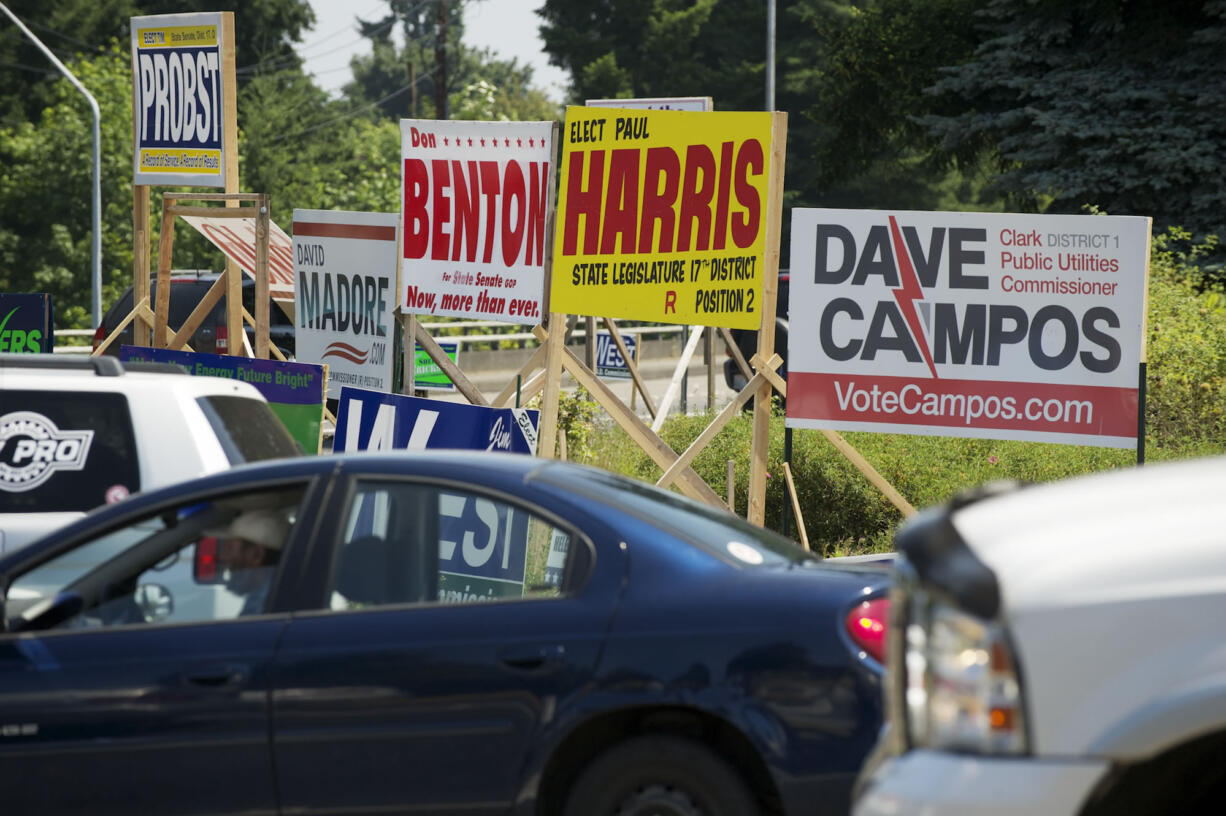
x: 222, y: 339
x: 206, y: 564
x: 866, y: 623
x: 99, y: 336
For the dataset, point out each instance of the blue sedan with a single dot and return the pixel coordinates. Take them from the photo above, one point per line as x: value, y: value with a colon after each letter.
x: 443, y: 633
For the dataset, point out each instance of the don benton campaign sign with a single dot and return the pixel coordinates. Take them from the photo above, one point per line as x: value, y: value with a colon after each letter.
x: 345, y: 295
x: 662, y: 216
x: 475, y: 199
x: 178, y: 81
x: 27, y: 324
x: 1001, y: 326
x: 370, y: 420
x: 294, y: 390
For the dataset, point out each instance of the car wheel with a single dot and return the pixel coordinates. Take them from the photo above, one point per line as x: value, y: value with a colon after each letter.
x: 660, y: 776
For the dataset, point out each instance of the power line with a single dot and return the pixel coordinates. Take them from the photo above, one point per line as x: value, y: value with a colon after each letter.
x: 350, y: 114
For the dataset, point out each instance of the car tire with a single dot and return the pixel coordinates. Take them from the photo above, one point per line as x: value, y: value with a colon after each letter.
x: 660, y: 776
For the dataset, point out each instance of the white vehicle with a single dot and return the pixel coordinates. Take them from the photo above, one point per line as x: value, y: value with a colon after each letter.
x: 76, y: 433
x: 1059, y: 650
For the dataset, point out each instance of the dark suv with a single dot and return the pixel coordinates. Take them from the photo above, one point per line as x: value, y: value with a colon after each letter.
x: 747, y: 341
x: 186, y: 290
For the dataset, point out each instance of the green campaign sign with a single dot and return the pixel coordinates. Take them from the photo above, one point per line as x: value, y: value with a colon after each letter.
x: 295, y: 391
x: 427, y: 374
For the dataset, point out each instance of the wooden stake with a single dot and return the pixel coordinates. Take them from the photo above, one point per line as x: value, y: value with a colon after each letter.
x: 436, y: 353
x: 554, y: 353
x: 766, y: 330
x: 732, y: 486
x: 800, y: 521
x: 631, y: 366
x: 166, y: 242
x: 140, y: 257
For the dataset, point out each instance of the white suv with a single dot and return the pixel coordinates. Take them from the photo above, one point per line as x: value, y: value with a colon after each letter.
x: 76, y: 433
x: 1060, y: 650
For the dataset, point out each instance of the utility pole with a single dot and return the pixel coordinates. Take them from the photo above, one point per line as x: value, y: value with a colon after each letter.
x: 770, y: 55
x: 440, y: 63
x: 97, y: 204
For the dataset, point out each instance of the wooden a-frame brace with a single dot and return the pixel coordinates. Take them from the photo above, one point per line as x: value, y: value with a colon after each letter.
x: 228, y: 284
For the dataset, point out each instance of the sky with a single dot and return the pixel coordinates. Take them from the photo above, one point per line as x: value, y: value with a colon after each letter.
x: 509, y: 27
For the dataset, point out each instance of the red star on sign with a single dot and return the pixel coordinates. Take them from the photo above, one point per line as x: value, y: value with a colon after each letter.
x: 531, y: 143
x: 444, y: 141
x: 519, y: 142
x: 483, y: 142
x: 470, y: 142
x: 506, y: 142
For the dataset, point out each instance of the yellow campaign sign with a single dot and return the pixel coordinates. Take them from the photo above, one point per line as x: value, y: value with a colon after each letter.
x: 662, y: 216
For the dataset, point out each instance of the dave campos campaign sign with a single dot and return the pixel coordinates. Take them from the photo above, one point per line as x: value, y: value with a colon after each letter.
x: 989, y: 325
x: 179, y: 73
x: 344, y: 315
x: 483, y: 545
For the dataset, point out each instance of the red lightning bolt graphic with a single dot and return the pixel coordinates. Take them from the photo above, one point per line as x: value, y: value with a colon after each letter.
x: 909, y: 293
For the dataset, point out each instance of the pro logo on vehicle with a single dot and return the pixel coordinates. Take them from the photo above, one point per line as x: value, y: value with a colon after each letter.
x: 32, y: 448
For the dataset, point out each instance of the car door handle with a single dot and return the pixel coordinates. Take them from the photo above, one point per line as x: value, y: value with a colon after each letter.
x: 222, y: 676
x: 532, y: 657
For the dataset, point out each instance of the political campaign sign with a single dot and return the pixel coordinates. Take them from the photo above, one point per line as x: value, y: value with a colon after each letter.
x: 686, y: 103
x: 609, y: 362
x: 27, y: 324
x: 370, y: 420
x: 662, y: 216
x: 475, y: 199
x: 426, y: 373
x: 180, y: 73
x: 235, y: 237
x: 295, y: 391
x: 989, y: 325
x: 345, y: 307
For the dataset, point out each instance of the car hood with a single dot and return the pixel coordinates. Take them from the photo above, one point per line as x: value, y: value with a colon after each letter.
x: 1125, y: 535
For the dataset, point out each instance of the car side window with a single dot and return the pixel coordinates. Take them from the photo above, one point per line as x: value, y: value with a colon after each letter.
x: 208, y: 560
x: 414, y: 543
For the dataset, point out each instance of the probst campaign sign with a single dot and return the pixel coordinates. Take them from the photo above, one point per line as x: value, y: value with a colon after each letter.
x: 344, y: 312
x: 373, y: 421
x: 181, y: 65
x: 662, y: 216
x: 1001, y: 326
x: 475, y: 200
x: 236, y: 237
x: 295, y: 391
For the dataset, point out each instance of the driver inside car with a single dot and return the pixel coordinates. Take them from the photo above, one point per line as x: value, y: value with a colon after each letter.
x: 250, y: 548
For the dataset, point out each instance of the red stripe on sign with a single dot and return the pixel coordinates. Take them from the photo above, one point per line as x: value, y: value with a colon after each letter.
x: 1043, y: 407
x: 364, y: 232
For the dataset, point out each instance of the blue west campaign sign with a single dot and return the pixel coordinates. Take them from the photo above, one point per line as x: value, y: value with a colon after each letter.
x: 27, y: 324
x: 372, y: 420
x: 609, y: 362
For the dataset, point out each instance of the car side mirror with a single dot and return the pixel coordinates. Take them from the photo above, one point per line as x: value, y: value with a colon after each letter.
x: 206, y: 565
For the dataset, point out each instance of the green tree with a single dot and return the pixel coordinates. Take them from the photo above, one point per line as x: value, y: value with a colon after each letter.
x: 264, y: 32
x: 1104, y: 102
x: 45, y: 192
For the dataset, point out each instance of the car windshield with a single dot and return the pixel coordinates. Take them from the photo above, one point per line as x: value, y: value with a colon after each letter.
x: 718, y: 532
x: 247, y: 429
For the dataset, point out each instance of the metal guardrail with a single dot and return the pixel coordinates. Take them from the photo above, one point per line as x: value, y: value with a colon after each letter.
x: 461, y: 339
